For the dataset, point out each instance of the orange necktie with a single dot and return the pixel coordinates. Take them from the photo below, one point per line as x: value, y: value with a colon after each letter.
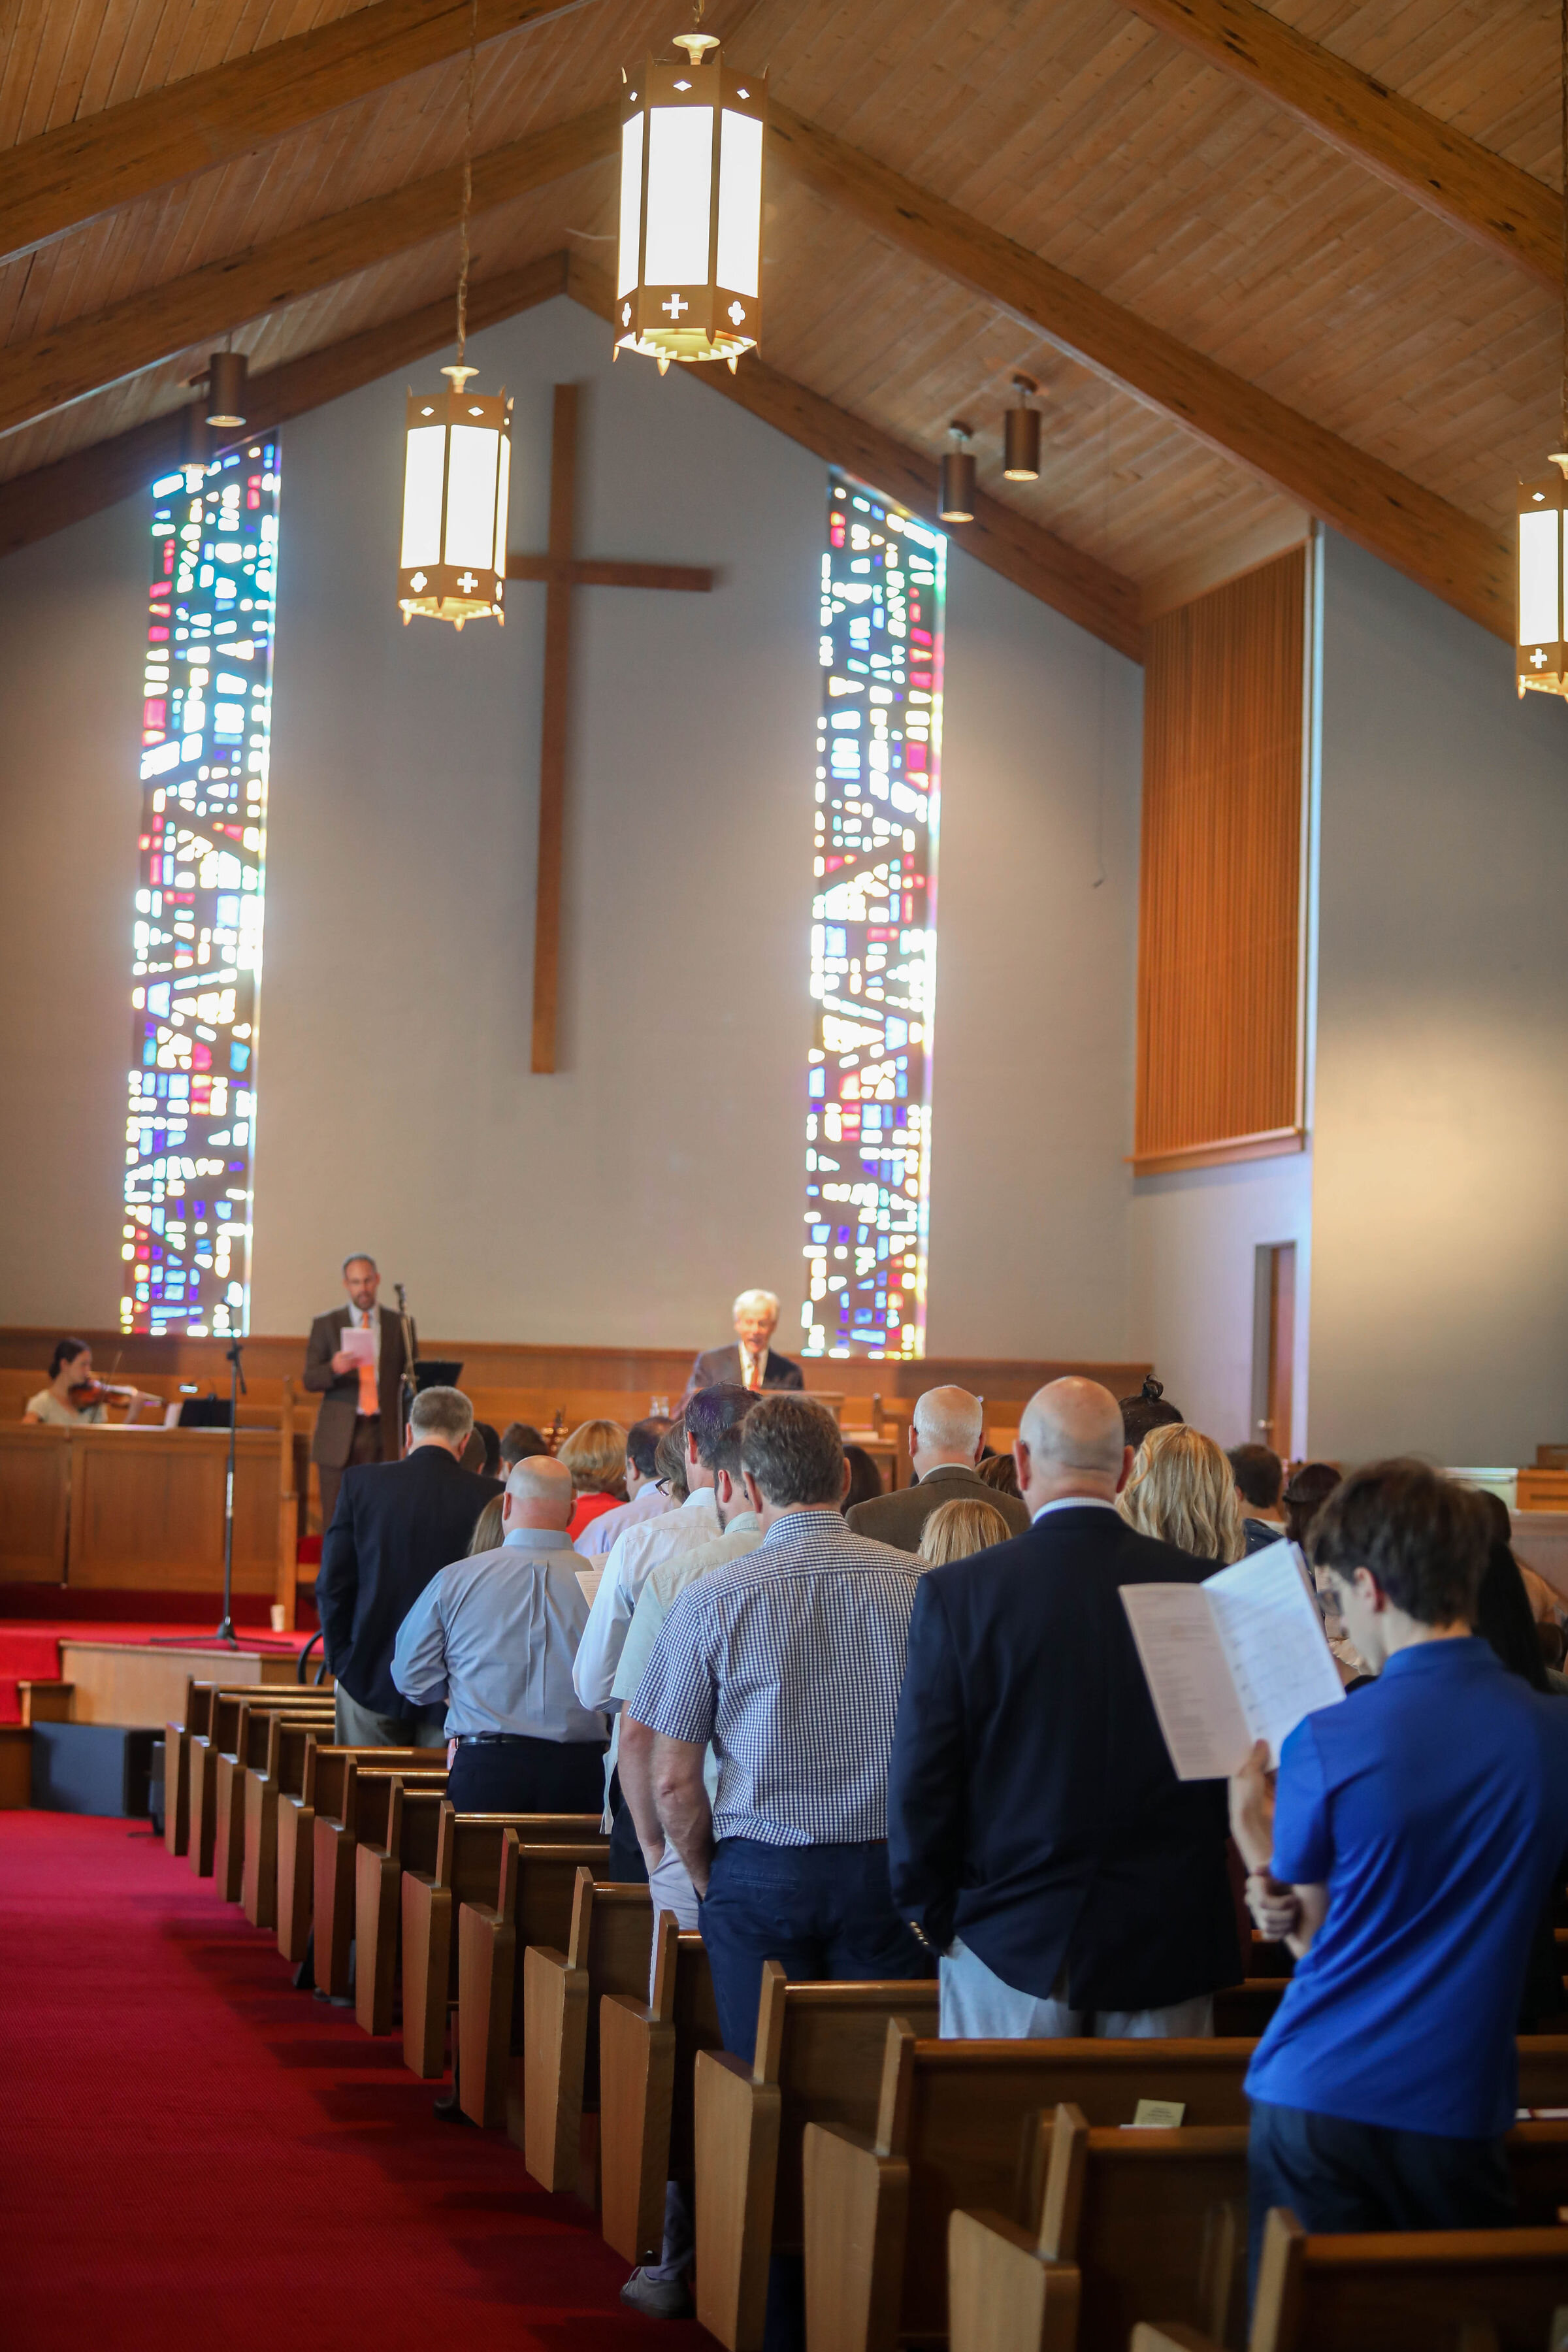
x: 754, y: 1373
x: 368, y: 1400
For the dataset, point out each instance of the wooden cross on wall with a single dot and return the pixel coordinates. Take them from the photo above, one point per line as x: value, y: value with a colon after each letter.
x: 561, y: 571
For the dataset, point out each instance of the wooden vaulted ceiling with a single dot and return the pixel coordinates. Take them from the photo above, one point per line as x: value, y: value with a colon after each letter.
x: 1265, y: 263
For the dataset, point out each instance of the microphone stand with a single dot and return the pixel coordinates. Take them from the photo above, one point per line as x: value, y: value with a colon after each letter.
x: 236, y: 1389
x: 409, y: 1388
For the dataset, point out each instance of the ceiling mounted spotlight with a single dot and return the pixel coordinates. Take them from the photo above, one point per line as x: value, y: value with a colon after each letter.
x: 195, y: 449
x: 957, y: 500
x: 1021, y: 430
x: 226, y: 389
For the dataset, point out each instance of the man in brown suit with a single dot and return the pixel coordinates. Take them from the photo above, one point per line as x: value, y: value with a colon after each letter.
x: 945, y: 1438
x: 360, y: 1415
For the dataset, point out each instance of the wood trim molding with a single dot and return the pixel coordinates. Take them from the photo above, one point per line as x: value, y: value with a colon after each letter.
x: 34, y: 505
x: 1420, y: 534
x: 48, y: 370
x: 1274, y: 1145
x: 58, y: 180
x: 1485, y: 198
x: 1032, y: 558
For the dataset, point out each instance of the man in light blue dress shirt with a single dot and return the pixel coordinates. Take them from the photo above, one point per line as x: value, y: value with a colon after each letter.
x: 496, y: 1636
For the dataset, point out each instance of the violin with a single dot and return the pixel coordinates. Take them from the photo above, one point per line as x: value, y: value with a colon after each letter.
x: 97, y: 1391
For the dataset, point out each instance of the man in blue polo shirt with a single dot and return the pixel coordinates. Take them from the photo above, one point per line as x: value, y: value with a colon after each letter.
x: 1404, y: 1856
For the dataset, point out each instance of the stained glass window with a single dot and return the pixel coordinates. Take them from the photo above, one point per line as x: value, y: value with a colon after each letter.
x: 873, y: 929
x: 190, y: 1131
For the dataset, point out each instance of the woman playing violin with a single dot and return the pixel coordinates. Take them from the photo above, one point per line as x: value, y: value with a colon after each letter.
x: 73, y: 1395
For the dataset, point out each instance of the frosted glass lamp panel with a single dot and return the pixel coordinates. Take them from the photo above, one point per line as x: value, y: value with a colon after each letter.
x: 503, y: 497
x: 739, y: 202
x: 1538, y: 584
x: 631, y: 203
x: 471, y: 497
x: 680, y: 194
x: 421, y: 495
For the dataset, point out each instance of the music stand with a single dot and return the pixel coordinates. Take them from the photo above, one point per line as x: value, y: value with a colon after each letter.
x: 236, y: 1389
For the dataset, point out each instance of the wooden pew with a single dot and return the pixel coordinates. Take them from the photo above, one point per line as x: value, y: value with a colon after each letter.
x: 647, y: 2056
x: 819, y: 2055
x: 406, y: 1839
x: 204, y: 1745
x: 1145, y: 2225
x: 533, y: 1895
x: 323, y: 1771
x: 956, y: 2122
x: 366, y: 1793
x: 229, y: 1771
x: 468, y: 1855
x: 1404, y: 2291
x: 608, y: 1950
x: 283, y: 1741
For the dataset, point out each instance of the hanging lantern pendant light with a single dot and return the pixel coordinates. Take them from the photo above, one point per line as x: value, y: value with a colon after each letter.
x: 457, y: 476
x: 1542, y: 665
x: 693, y: 136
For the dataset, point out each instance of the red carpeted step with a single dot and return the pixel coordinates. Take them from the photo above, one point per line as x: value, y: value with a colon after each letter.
x: 195, y: 2154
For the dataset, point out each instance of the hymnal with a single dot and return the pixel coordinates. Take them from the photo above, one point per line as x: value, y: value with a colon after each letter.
x: 1241, y: 1657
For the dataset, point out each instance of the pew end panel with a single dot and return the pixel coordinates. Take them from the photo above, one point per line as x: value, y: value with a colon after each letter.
x: 736, y: 2122
x: 554, y: 2043
x: 636, y: 2086
x: 1002, y: 2295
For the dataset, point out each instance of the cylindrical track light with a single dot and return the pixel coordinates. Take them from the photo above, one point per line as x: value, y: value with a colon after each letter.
x: 226, y: 389
x: 195, y: 452
x: 1021, y: 436
x: 957, y: 500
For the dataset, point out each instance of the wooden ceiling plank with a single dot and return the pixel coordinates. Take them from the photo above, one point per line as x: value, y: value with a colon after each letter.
x: 1420, y: 534
x: 52, y: 368
x: 1448, y: 174
x: 36, y: 504
x: 62, y: 178
x: 1031, y: 557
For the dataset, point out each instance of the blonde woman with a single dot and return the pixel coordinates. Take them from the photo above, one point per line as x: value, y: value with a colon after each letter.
x: 1182, y: 1492
x: 596, y: 1455
x: 957, y: 1529
x: 488, y: 1529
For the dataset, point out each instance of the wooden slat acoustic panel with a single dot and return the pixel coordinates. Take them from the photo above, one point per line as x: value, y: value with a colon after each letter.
x: 1219, y: 949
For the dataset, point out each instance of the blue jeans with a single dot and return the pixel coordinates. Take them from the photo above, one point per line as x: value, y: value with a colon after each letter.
x: 824, y: 1911
x: 1335, y: 2175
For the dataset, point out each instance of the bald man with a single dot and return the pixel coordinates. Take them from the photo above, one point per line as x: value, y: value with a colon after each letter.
x: 946, y: 1436
x: 496, y: 1637
x: 1038, y: 1835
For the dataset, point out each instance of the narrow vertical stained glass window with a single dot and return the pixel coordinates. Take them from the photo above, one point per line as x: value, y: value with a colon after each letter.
x: 190, y: 1132
x: 873, y: 929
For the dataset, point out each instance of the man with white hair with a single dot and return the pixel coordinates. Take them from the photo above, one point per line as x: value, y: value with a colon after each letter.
x: 946, y: 1436
x: 396, y: 1523
x: 496, y: 1637
x: 750, y: 1363
x: 1038, y: 1835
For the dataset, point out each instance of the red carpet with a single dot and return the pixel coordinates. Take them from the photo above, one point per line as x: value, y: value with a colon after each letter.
x: 195, y: 2154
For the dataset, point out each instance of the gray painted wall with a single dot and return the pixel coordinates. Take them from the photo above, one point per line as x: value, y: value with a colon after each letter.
x: 1440, y: 1243
x: 626, y: 1198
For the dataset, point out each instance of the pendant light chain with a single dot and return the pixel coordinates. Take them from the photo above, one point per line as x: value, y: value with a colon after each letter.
x: 468, y: 177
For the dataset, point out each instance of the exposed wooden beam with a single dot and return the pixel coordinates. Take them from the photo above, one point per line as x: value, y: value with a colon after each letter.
x: 64, y: 178
x: 1031, y: 557
x: 34, y: 505
x: 1422, y: 535
x: 50, y: 370
x: 1491, y: 201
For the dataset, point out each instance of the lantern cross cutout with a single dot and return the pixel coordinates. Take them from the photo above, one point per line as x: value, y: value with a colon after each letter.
x: 561, y: 571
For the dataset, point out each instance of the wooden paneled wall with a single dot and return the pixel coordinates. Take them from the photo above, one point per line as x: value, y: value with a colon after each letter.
x: 1221, y: 936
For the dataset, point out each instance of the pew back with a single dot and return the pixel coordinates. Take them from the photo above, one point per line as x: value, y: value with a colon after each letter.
x: 1406, y: 2292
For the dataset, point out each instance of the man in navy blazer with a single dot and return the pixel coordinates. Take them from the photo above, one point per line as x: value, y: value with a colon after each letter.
x: 1038, y: 1835
x: 397, y: 1525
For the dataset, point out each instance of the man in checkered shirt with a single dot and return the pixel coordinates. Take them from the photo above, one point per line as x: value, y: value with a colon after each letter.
x: 790, y: 1661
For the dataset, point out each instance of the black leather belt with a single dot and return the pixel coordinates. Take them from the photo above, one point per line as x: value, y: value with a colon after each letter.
x: 500, y: 1740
